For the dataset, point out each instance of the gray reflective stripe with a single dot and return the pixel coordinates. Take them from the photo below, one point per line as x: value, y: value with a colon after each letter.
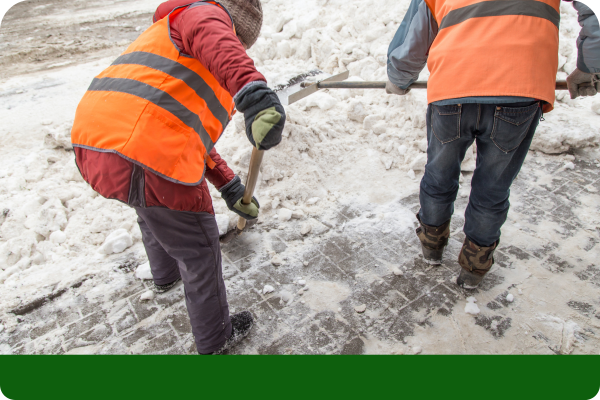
x: 496, y: 8
x: 158, y: 97
x: 180, y: 72
x: 142, y: 165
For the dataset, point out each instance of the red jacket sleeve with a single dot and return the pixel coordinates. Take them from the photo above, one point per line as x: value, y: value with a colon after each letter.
x: 221, y: 174
x: 207, y: 35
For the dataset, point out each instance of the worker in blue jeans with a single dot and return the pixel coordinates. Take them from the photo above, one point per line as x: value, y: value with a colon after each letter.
x: 492, y: 70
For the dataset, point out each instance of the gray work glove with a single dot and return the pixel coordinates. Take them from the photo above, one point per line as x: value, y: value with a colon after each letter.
x: 582, y: 84
x: 390, y: 88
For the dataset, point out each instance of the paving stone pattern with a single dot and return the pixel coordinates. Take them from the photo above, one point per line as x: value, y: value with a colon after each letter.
x: 397, y: 305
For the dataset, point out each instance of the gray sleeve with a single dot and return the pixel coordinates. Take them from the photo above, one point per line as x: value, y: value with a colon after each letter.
x: 408, y: 51
x: 588, y: 42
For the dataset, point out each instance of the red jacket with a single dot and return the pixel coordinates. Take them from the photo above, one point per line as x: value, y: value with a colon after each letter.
x: 206, y: 33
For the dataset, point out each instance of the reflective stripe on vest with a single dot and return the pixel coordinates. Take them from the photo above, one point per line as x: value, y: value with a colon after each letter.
x: 156, y: 107
x: 494, y: 48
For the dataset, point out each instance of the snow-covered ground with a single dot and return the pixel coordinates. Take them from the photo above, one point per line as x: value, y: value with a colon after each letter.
x: 342, y: 149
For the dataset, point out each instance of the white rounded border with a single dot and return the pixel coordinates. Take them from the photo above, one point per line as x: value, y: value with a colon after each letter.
x: 5, y: 5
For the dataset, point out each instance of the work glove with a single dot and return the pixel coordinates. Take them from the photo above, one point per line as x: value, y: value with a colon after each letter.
x: 263, y: 113
x: 232, y: 193
x: 582, y: 83
x: 390, y: 88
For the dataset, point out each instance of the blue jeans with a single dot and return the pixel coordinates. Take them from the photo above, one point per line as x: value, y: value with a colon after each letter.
x: 503, y: 133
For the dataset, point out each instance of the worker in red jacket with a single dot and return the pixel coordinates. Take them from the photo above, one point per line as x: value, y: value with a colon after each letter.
x: 144, y: 134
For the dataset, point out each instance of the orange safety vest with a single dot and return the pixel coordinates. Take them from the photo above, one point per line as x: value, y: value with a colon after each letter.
x: 156, y: 107
x: 494, y: 48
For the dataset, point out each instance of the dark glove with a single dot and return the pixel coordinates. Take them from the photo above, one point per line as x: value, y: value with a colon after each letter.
x: 390, y: 88
x: 232, y: 193
x: 263, y: 113
x: 582, y: 84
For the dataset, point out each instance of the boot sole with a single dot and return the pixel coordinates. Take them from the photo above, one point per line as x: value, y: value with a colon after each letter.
x: 161, y: 291
x: 466, y: 275
x: 432, y: 262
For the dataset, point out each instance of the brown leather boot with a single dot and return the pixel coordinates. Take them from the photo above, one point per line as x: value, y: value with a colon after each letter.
x: 433, y: 241
x: 475, y: 261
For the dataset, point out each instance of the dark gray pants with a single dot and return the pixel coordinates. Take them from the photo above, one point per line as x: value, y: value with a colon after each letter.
x: 186, y: 244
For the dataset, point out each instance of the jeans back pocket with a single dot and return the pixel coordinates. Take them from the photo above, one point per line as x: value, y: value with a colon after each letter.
x: 511, y: 125
x: 445, y: 122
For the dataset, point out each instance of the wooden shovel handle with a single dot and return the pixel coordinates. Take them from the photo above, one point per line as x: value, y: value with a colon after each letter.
x: 253, y: 169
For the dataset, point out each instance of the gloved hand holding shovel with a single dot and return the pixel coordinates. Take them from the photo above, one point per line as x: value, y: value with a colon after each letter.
x: 265, y: 117
x: 233, y: 194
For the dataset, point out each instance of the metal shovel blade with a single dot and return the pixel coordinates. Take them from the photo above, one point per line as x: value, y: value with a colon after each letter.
x: 304, y: 92
x: 294, y: 84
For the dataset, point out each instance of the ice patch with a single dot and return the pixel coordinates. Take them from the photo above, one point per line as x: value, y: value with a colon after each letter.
x: 326, y: 295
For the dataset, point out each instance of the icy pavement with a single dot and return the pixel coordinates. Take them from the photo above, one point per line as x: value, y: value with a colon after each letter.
x: 323, y: 282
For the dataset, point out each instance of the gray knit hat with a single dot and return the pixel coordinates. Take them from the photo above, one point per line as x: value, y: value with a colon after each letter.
x: 247, y: 16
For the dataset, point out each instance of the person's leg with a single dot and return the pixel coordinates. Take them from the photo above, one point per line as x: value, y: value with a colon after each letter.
x: 164, y: 267
x: 193, y: 240
x: 449, y: 135
x: 501, y: 150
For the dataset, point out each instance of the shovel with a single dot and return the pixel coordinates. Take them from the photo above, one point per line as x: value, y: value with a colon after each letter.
x: 282, y: 91
x: 338, y: 82
x: 253, y: 170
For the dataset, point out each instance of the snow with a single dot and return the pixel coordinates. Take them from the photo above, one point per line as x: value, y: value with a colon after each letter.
x: 147, y: 295
x: 305, y: 228
x: 268, y: 289
x: 116, y: 242
x: 143, y: 271
x: 276, y: 260
x: 222, y: 223
x: 284, y: 214
x: 58, y: 237
x: 471, y: 307
x: 360, y: 309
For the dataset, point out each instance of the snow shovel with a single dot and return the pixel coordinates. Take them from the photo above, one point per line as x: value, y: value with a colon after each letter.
x: 338, y: 82
x: 282, y: 91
